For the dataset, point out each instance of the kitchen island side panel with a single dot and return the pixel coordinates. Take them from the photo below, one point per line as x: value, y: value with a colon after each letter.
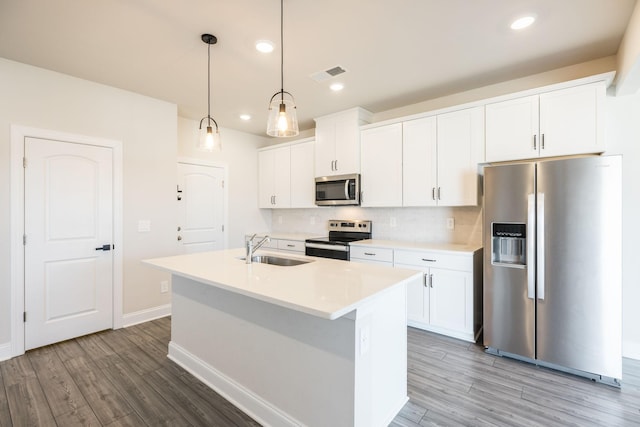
x: 285, y: 367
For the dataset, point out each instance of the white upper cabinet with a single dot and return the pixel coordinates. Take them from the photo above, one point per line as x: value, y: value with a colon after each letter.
x: 440, y: 159
x: 302, y: 176
x: 460, y: 149
x: 557, y: 123
x: 285, y: 176
x: 337, y: 148
x: 571, y: 121
x: 274, y: 178
x: 512, y: 129
x: 420, y: 162
x: 381, y: 151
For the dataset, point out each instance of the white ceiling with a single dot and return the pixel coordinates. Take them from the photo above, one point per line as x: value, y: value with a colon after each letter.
x: 396, y: 52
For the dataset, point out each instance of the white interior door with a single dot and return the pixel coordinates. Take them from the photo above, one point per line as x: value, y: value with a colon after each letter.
x: 200, y: 208
x: 68, y: 219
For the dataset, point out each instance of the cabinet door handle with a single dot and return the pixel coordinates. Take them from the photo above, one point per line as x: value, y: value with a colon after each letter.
x: 431, y: 280
x: 428, y: 260
x: 535, y: 143
x: 424, y: 280
x: 433, y: 193
x: 290, y: 245
x: 370, y: 254
x: 438, y: 193
x: 542, y: 141
x: 336, y: 164
x: 274, y: 200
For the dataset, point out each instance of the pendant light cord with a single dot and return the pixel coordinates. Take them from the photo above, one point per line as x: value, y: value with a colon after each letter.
x: 282, y: 51
x: 208, y: 83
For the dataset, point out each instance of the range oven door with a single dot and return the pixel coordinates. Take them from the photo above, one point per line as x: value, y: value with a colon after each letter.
x: 338, y: 190
x: 327, y: 250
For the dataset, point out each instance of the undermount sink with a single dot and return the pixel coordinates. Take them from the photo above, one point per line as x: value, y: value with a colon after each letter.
x: 275, y: 260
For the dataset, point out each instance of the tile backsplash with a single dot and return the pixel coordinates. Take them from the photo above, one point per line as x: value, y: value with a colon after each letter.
x: 411, y: 224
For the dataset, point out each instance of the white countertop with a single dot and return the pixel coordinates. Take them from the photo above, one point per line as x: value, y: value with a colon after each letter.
x: 324, y: 288
x: 418, y: 246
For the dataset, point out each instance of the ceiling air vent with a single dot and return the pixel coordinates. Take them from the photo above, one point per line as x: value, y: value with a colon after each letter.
x: 321, y: 76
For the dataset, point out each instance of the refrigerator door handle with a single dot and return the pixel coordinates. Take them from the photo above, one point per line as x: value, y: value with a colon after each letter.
x: 531, y: 256
x: 540, y: 246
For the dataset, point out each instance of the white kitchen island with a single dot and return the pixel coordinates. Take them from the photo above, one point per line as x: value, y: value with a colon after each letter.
x: 317, y: 344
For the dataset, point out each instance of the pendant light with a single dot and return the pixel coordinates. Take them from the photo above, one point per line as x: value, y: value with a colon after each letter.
x: 282, y: 120
x: 208, y: 137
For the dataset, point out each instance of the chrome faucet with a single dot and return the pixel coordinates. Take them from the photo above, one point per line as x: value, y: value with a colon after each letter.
x: 251, y: 248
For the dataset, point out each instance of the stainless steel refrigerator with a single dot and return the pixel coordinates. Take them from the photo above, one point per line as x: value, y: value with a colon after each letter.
x: 553, y: 264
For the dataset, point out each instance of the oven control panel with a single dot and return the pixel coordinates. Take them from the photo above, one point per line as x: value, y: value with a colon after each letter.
x: 359, y: 226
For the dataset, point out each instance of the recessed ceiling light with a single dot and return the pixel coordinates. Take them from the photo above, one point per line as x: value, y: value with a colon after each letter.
x: 523, y: 22
x: 245, y: 117
x: 336, y: 87
x: 264, y: 46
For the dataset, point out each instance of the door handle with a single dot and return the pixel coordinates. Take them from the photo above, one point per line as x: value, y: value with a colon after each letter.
x: 105, y: 248
x: 540, y: 247
x: 179, y: 238
x: 530, y: 256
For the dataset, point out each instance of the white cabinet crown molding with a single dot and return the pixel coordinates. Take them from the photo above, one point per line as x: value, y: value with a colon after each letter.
x: 607, y: 78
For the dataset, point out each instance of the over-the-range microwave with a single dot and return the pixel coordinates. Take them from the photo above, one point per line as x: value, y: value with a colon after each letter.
x: 338, y: 190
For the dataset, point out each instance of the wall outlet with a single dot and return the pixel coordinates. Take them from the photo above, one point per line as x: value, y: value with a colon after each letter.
x: 164, y: 286
x: 392, y: 221
x: 450, y: 224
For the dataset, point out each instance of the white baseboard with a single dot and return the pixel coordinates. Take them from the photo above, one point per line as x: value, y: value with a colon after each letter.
x: 146, y: 315
x: 631, y: 350
x: 5, y: 351
x: 251, y: 404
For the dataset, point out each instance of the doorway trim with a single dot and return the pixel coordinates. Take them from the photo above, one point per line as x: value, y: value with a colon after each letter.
x: 225, y: 193
x: 18, y: 135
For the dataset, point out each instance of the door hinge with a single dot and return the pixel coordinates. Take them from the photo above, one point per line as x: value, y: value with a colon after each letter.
x: 24, y: 162
x: 24, y: 316
x: 223, y: 227
x: 24, y: 240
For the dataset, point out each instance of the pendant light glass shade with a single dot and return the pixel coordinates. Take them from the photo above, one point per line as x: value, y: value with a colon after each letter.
x: 282, y: 121
x: 209, y: 136
x: 208, y: 133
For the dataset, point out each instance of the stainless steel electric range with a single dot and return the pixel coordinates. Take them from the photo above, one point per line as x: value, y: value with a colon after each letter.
x: 341, y: 233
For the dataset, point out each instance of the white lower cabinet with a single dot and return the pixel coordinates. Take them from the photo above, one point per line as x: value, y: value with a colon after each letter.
x: 449, y: 298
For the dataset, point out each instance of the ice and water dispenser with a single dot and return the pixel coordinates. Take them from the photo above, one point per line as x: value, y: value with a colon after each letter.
x: 509, y: 244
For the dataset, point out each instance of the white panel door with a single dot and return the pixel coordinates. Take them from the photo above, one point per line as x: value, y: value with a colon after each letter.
x: 200, y: 208
x: 69, y: 231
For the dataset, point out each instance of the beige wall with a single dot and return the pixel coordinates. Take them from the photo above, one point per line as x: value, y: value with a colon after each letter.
x: 147, y: 127
x: 623, y: 136
x: 628, y: 58
x: 239, y: 154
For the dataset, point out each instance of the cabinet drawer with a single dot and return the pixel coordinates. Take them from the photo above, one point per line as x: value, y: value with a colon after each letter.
x: 291, y: 245
x: 435, y: 259
x: 373, y: 254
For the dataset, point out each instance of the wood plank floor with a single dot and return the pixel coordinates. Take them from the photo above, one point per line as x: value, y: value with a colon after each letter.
x: 123, y: 378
